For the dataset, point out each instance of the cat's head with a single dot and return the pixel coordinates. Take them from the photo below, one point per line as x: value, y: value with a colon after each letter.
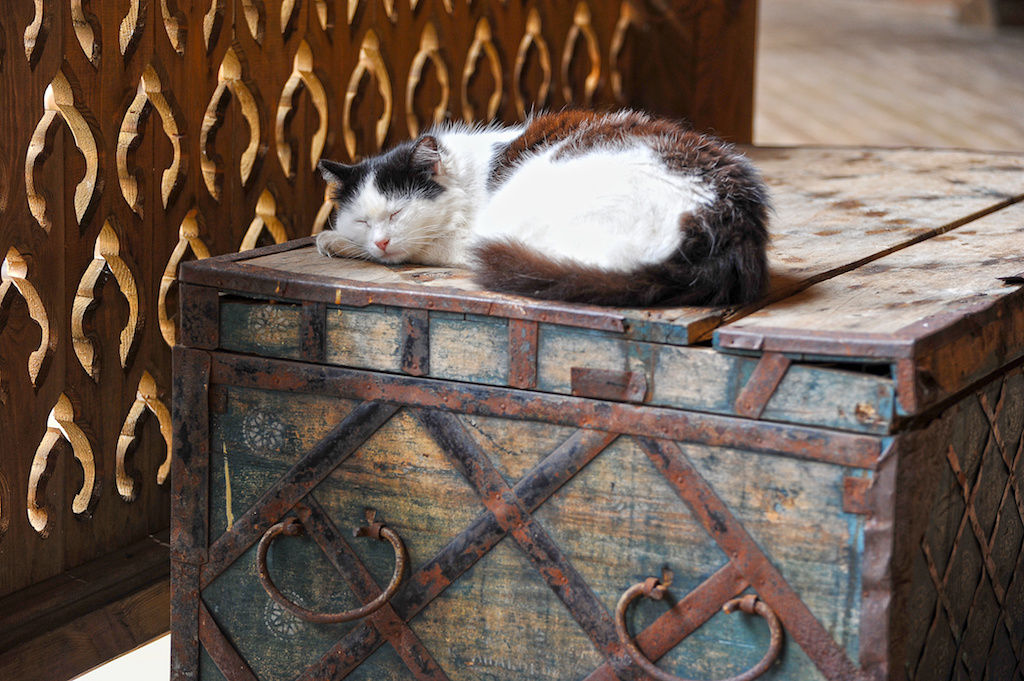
x: 387, y: 206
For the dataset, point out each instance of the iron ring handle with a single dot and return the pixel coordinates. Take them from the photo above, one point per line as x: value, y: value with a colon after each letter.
x: 292, y: 527
x: 749, y: 603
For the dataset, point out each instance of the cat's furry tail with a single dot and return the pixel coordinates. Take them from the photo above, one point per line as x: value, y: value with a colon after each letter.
x: 736, y: 275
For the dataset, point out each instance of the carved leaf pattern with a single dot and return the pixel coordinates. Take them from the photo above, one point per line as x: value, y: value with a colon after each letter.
x: 149, y: 94
x: 370, y: 62
x: 324, y: 214
x: 39, y: 149
x: 430, y: 49
x: 255, y: 14
x: 229, y: 82
x: 14, y: 277
x: 302, y: 76
x: 213, y: 20
x: 63, y: 98
x: 266, y: 220
x: 582, y: 29
x: 174, y: 25
x: 60, y: 425
x: 324, y: 14
x: 533, y: 38
x: 628, y: 17
x: 132, y: 26
x: 84, y: 25
x: 188, y: 239
x: 35, y: 33
x: 482, y: 45
x: 389, y: 9
x: 107, y: 257
x: 59, y: 103
x: 146, y: 400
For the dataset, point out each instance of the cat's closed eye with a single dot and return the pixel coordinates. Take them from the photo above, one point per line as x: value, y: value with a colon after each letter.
x: 392, y: 216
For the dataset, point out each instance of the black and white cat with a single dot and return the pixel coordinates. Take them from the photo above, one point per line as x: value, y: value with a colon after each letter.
x: 614, y: 209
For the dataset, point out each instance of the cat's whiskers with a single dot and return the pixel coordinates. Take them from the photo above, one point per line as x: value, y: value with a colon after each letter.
x: 349, y: 248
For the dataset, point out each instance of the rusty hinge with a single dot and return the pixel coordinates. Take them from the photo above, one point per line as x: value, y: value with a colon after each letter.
x: 603, y: 384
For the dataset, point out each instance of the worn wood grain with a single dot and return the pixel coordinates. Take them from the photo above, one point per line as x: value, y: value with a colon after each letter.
x: 469, y: 348
x: 46, y: 607
x: 619, y: 516
x: 78, y: 645
x: 957, y: 557
x: 255, y: 440
x: 476, y: 349
x: 922, y: 306
x: 937, y: 276
x: 703, y: 380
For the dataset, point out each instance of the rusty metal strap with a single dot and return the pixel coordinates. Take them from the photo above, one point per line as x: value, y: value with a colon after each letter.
x: 190, y: 480
x: 330, y: 452
x: 313, y: 332
x: 230, y: 663
x: 846, y: 449
x: 522, y: 354
x: 461, y: 553
x: 748, y: 558
x: 683, y: 618
x: 603, y: 384
x: 563, y: 579
x: 762, y: 384
x: 345, y: 560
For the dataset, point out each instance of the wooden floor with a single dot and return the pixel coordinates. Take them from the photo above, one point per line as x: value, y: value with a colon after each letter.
x: 886, y: 72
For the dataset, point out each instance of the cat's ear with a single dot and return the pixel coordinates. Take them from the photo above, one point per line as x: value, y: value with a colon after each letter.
x: 427, y: 154
x: 333, y: 172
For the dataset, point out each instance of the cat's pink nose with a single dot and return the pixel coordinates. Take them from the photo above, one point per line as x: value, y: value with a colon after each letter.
x: 382, y: 245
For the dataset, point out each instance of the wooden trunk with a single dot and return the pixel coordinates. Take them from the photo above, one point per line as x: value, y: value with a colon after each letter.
x: 850, y: 451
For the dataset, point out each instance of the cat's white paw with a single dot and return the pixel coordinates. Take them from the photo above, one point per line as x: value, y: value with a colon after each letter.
x: 329, y: 242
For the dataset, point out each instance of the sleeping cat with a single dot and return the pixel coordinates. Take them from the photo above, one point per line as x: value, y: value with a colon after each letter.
x: 612, y: 209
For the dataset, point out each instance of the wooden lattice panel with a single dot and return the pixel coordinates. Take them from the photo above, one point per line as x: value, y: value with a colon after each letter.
x: 138, y: 135
x: 970, y: 562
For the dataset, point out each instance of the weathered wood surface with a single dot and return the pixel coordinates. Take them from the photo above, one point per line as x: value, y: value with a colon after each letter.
x: 937, y: 277
x: 835, y: 209
x: 76, y: 646
x: 50, y: 605
x: 477, y: 349
x: 617, y: 522
x: 80, y: 619
x: 939, y: 309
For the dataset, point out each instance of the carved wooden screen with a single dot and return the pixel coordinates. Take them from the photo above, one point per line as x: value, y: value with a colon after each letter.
x: 135, y: 134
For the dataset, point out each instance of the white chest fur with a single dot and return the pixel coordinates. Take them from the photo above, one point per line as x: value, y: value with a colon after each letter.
x: 613, y: 208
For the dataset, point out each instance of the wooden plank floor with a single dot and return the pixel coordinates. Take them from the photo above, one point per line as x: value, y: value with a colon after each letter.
x: 886, y: 72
